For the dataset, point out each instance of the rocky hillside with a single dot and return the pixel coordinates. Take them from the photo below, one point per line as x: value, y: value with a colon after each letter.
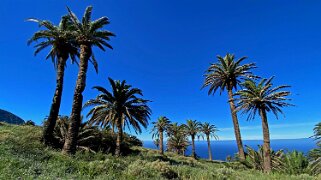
x: 8, y: 117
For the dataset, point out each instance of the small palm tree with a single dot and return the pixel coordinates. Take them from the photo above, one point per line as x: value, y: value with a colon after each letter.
x: 262, y: 98
x: 160, y: 126
x: 192, y: 128
x: 226, y: 74
x: 89, y: 137
x: 58, y: 39
x: 121, y: 107
x: 178, y: 143
x: 209, y: 131
x: 87, y: 34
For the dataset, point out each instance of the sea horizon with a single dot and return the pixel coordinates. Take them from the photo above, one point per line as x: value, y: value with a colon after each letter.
x: 224, y: 148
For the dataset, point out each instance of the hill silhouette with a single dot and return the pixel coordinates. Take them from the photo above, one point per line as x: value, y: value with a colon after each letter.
x: 9, y: 117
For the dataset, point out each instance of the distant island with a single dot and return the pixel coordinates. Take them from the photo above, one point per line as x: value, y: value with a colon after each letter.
x: 9, y: 117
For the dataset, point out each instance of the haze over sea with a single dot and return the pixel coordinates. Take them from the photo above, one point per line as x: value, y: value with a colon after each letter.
x: 223, y: 148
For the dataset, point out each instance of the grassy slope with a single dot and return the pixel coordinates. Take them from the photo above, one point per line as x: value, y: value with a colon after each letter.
x: 22, y: 155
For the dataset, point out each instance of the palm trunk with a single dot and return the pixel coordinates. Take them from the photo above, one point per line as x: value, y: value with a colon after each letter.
x: 75, y: 118
x: 119, y: 139
x: 193, y: 147
x: 56, y: 101
x: 236, y: 126
x: 161, y: 148
x: 267, y: 163
x: 209, y: 147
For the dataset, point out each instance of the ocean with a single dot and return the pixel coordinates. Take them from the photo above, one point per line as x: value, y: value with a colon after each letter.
x: 223, y: 148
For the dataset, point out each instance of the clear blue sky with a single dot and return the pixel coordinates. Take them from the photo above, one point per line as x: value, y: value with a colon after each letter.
x: 163, y: 47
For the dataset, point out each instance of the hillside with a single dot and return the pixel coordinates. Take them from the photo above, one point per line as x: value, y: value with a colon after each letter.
x: 24, y: 157
x: 8, y: 117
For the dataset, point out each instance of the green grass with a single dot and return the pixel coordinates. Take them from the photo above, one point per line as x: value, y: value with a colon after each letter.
x: 22, y: 156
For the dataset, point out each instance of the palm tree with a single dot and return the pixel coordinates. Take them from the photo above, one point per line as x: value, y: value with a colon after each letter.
x: 58, y: 39
x: 317, y: 133
x: 174, y: 129
x: 156, y: 142
x: 192, y: 128
x: 87, y: 34
x: 226, y: 74
x: 160, y: 126
x: 262, y: 98
x: 209, y: 131
x: 178, y: 143
x: 89, y: 137
x: 121, y: 107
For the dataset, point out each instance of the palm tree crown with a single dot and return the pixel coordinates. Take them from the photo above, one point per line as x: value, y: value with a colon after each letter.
x: 192, y: 127
x: 261, y: 96
x: 227, y: 73
x: 209, y: 130
x: 162, y: 124
x: 122, y: 104
x: 56, y: 37
x: 89, y: 32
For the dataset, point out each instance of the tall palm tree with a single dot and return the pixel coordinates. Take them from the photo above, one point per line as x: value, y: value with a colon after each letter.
x: 261, y: 98
x: 87, y: 34
x: 209, y: 130
x: 160, y: 126
x: 226, y: 74
x: 192, y: 128
x: 121, y: 107
x: 58, y: 39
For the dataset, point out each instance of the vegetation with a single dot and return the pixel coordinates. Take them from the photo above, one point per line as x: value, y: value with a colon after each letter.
x: 293, y: 163
x: 227, y: 74
x: 24, y: 157
x: 209, y: 131
x: 192, y: 128
x: 121, y: 107
x: 315, y: 154
x: 61, y: 48
x: 92, y: 143
x: 160, y: 126
x: 86, y: 34
x: 262, y: 98
x: 177, y: 141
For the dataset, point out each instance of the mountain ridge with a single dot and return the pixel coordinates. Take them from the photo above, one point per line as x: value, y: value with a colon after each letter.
x: 8, y: 117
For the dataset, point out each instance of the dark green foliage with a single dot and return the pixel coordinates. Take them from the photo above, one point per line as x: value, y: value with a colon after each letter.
x: 295, y: 163
x: 10, y: 118
x: 93, y: 139
x: 227, y: 73
x: 90, y: 32
x: 29, y: 123
x: 254, y: 159
x: 315, y: 154
x: 178, y: 140
x: 121, y: 105
x: 317, y: 133
x: 261, y: 96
